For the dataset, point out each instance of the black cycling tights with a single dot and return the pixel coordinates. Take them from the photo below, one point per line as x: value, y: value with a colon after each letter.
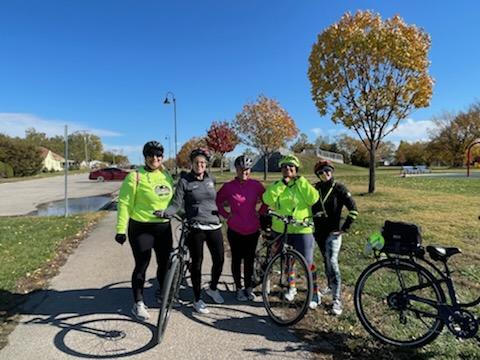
x: 243, y: 248
x: 214, y: 240
x: 144, y: 237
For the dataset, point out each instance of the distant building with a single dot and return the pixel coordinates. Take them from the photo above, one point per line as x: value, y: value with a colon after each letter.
x: 51, y: 160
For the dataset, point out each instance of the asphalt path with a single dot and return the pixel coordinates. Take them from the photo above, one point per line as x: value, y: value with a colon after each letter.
x: 85, y: 313
x: 23, y: 197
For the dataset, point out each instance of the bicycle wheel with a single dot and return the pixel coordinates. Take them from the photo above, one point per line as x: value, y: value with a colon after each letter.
x: 397, y: 301
x: 169, y: 290
x: 287, y: 287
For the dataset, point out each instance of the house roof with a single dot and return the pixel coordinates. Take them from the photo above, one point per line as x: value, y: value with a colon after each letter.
x: 44, y: 152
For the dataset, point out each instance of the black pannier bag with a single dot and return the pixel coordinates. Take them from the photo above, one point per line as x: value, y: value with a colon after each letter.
x: 401, y: 238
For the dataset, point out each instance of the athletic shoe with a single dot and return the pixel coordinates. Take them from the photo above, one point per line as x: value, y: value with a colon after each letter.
x: 215, y: 295
x: 250, y: 294
x: 326, y: 291
x: 139, y: 310
x: 292, y: 292
x: 337, y: 307
x: 240, y: 295
x: 316, y: 300
x: 200, y: 307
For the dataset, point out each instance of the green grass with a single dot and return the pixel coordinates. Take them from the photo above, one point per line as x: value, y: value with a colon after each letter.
x: 447, y: 210
x: 27, y: 243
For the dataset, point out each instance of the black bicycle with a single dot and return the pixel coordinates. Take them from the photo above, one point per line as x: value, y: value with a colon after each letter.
x: 401, y: 302
x: 283, y: 272
x: 178, y: 264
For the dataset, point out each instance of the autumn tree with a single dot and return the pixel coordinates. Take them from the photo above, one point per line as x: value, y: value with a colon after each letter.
x: 266, y: 126
x: 183, y: 156
x: 221, y: 138
x: 301, y: 144
x: 452, y: 135
x: 414, y: 153
x: 369, y: 74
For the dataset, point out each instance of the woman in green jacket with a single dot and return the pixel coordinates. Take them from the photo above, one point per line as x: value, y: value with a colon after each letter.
x: 142, y: 192
x: 293, y: 195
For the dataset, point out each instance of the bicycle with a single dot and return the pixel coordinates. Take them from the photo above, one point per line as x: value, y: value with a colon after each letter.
x: 401, y: 302
x: 283, y: 272
x: 178, y: 263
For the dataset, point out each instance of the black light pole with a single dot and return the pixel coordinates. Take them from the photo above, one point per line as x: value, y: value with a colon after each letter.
x: 167, y: 101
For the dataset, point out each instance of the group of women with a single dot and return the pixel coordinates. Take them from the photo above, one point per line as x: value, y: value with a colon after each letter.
x: 147, y: 198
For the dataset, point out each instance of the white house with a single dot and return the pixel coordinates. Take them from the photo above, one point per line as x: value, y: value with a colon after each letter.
x: 51, y: 161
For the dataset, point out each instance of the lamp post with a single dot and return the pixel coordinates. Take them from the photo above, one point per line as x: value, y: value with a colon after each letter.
x: 167, y: 101
x: 169, y: 139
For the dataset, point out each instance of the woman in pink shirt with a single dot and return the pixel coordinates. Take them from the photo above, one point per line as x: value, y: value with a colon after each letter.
x: 242, y: 194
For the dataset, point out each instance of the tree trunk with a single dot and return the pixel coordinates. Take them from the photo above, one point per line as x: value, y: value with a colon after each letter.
x: 371, y: 180
x: 221, y: 164
x: 265, y: 169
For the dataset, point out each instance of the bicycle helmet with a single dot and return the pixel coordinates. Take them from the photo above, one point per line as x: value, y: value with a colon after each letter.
x: 243, y: 162
x: 323, y: 165
x: 200, y: 152
x: 290, y: 160
x: 152, y: 148
x: 374, y: 242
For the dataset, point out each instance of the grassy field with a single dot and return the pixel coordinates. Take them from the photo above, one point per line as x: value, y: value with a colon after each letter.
x: 447, y: 210
x: 29, y: 243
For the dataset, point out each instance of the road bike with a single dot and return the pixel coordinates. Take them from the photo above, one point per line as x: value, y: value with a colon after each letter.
x: 401, y: 302
x: 178, y: 264
x: 284, y: 275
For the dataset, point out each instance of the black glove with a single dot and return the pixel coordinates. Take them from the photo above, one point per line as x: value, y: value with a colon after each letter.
x: 120, y: 238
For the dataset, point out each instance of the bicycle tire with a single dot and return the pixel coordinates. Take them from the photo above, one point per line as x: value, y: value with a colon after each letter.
x: 276, y: 284
x: 404, y: 315
x: 169, y: 290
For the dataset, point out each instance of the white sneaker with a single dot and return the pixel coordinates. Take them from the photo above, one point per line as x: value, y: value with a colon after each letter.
x: 250, y: 294
x: 337, y: 307
x: 292, y: 292
x: 240, y: 295
x: 139, y: 310
x: 200, y: 307
x: 215, y: 295
x: 316, y: 300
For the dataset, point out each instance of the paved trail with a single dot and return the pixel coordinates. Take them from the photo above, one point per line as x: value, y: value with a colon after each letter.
x: 85, y: 314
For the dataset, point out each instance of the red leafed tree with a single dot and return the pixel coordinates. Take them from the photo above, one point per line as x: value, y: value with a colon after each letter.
x: 221, y: 138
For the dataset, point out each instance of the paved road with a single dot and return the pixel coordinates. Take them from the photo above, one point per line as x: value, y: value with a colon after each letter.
x: 85, y: 314
x: 22, y: 197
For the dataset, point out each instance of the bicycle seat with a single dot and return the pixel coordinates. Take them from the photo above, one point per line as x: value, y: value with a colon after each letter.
x: 442, y: 253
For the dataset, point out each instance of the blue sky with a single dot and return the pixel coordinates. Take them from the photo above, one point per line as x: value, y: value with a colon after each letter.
x: 105, y: 66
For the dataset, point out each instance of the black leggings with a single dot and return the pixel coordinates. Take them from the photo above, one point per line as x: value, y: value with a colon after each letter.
x: 214, y: 240
x: 243, y: 247
x: 144, y: 237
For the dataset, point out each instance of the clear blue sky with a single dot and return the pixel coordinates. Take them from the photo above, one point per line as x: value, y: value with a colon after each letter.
x: 105, y: 66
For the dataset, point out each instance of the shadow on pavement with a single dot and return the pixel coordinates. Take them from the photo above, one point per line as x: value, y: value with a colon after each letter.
x: 93, y: 323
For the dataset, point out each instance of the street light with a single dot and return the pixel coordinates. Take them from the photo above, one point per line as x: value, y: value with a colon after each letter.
x: 169, y: 139
x: 167, y: 101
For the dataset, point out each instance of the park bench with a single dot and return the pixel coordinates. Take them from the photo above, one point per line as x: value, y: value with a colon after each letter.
x: 423, y: 169
x: 407, y: 169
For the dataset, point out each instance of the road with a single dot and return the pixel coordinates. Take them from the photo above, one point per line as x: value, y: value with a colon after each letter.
x: 22, y: 197
x: 85, y: 313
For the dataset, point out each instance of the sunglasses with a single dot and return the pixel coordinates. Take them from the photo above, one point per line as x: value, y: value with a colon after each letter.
x: 285, y: 166
x: 157, y: 154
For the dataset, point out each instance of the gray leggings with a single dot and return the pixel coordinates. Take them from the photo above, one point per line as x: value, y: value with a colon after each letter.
x: 303, y: 243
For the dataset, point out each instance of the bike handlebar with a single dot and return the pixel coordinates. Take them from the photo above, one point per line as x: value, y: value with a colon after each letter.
x: 290, y: 220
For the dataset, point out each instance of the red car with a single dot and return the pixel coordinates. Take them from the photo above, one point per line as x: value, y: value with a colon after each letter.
x: 108, y: 174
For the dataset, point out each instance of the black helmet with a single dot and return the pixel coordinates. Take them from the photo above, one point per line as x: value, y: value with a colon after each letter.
x: 152, y: 148
x: 200, y: 151
x: 243, y: 162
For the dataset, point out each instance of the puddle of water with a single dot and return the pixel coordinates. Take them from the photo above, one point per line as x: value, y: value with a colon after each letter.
x: 75, y: 206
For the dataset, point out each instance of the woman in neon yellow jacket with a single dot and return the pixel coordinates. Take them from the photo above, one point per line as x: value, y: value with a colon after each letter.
x: 293, y: 195
x: 143, y: 192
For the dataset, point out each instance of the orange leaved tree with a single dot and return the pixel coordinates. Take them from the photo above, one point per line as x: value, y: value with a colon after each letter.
x: 266, y: 126
x: 369, y: 74
x: 221, y: 138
